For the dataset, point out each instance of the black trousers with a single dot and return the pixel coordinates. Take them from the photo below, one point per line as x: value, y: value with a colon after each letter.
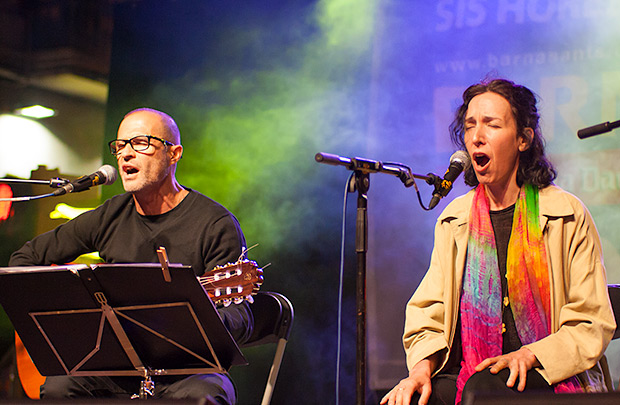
x: 206, y: 388
x: 444, y: 386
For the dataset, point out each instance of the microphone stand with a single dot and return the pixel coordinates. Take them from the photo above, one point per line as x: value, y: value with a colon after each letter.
x: 361, y: 183
x: 55, y: 182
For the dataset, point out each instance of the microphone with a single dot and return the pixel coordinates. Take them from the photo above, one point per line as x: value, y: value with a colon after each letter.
x: 105, y: 175
x: 459, y: 161
x: 597, y: 129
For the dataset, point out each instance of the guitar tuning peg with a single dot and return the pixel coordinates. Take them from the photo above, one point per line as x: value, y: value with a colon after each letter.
x: 250, y: 299
x: 226, y: 302
x: 238, y: 300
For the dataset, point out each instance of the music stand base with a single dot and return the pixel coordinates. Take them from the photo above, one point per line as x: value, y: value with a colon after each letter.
x: 147, y: 388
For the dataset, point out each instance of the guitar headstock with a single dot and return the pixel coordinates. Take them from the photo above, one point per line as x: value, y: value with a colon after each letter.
x: 233, y: 282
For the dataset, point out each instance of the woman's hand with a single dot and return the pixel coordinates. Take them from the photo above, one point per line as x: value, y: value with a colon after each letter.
x: 519, y: 362
x: 419, y: 380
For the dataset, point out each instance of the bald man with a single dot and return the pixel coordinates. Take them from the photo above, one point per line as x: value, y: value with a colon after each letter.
x: 154, y: 211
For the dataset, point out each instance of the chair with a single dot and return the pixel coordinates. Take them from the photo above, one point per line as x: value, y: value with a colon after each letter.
x: 273, y: 318
x: 614, y: 298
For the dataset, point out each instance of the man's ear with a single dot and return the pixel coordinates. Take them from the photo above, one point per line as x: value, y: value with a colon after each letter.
x: 525, y: 140
x: 176, y: 153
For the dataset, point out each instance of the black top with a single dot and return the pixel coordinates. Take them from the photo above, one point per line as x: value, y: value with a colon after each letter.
x: 198, y: 232
x: 502, y: 228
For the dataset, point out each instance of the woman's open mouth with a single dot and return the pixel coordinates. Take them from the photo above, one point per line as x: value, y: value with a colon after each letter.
x: 481, y: 160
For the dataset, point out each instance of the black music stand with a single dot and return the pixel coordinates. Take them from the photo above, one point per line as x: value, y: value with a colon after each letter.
x: 117, y: 320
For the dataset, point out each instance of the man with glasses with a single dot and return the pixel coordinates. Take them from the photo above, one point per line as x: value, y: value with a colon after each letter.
x: 129, y: 228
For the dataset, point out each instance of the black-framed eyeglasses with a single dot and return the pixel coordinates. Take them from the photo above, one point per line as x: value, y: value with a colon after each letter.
x: 138, y: 143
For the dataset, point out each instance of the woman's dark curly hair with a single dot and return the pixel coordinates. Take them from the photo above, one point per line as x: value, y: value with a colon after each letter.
x: 534, y: 167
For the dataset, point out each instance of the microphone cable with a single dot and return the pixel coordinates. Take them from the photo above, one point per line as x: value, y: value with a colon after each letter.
x: 27, y: 198
x: 340, y: 285
x: 412, y: 179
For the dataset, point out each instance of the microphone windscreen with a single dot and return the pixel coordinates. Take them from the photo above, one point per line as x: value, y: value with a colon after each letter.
x: 462, y: 157
x: 109, y: 173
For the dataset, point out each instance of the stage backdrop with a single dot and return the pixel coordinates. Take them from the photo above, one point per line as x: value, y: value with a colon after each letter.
x: 259, y: 87
x: 425, y: 54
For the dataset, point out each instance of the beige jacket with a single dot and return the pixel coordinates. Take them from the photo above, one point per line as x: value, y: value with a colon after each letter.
x: 582, y: 319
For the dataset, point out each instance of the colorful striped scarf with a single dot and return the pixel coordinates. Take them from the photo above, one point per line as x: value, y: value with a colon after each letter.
x: 528, y: 285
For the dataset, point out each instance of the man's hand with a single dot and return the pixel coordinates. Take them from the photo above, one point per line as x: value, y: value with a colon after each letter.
x: 519, y: 363
x: 419, y: 380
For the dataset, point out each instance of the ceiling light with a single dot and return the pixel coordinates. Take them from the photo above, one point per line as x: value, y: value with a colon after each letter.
x: 35, y: 111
